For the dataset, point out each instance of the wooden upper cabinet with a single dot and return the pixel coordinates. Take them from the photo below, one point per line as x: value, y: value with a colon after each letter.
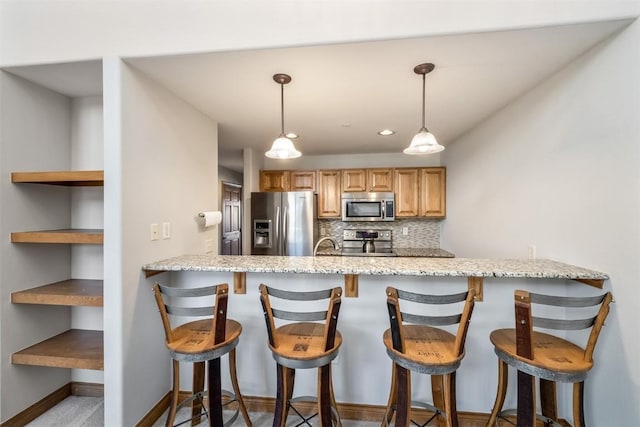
x: 374, y: 180
x: 380, y: 180
x: 433, y: 192
x: 274, y: 180
x: 420, y: 192
x: 354, y: 180
x: 329, y: 194
x: 406, y: 189
x: 302, y: 180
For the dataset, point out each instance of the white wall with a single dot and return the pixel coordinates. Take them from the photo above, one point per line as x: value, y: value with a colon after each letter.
x: 559, y: 169
x: 160, y: 166
x: 30, y: 32
x: 34, y: 135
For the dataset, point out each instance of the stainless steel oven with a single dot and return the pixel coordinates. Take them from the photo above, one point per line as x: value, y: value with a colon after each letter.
x: 368, y: 207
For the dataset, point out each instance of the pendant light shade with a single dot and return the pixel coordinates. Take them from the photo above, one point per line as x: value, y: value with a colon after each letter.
x: 282, y: 147
x: 423, y: 142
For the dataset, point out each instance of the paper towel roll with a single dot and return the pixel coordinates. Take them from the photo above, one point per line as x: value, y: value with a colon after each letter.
x: 211, y: 218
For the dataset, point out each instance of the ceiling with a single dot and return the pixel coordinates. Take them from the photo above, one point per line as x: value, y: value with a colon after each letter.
x: 341, y: 95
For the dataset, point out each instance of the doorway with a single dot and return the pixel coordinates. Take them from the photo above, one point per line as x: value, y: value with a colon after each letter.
x: 231, y: 219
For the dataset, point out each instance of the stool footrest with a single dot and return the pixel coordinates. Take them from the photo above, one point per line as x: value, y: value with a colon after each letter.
x: 424, y: 405
x: 200, y: 396
x: 545, y: 420
x: 312, y: 399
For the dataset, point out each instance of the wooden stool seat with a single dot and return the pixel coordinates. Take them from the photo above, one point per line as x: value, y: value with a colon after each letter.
x: 415, y: 344
x: 556, y: 359
x: 427, y: 350
x: 549, y: 358
x: 197, y: 342
x: 302, y: 345
x: 311, y: 340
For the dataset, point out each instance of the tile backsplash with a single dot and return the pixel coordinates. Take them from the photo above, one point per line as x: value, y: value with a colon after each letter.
x: 422, y: 233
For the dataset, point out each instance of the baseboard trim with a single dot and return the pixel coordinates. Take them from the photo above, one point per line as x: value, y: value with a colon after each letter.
x: 158, y: 409
x: 348, y: 411
x: 87, y: 389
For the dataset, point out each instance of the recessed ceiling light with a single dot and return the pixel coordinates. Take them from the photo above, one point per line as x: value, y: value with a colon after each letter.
x: 292, y: 135
x: 386, y: 132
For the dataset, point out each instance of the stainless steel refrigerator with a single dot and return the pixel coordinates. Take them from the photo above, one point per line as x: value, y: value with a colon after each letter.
x: 283, y: 223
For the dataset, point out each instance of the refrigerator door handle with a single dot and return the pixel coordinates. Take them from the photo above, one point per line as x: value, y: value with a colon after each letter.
x: 278, y: 237
x: 285, y: 229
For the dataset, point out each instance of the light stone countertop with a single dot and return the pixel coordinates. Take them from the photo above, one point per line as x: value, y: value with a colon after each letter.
x: 381, y: 266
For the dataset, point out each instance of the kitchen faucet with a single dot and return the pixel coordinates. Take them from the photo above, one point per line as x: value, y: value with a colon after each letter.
x: 336, y: 245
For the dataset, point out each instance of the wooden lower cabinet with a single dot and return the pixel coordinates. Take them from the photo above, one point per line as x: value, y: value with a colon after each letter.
x: 329, y: 194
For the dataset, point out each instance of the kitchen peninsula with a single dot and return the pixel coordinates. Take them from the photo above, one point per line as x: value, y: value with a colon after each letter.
x: 364, y: 319
x: 351, y: 267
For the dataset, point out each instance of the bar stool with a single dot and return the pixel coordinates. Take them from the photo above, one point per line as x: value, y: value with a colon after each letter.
x: 201, y: 341
x: 414, y: 344
x: 303, y: 344
x: 548, y: 357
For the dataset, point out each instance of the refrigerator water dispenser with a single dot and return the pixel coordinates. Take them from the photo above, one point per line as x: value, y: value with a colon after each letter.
x: 262, y: 233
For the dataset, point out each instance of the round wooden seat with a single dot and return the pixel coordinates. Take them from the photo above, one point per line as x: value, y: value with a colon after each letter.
x: 556, y: 359
x: 302, y: 346
x: 195, y: 341
x: 427, y: 350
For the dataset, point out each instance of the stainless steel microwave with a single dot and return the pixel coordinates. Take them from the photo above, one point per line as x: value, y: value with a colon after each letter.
x: 368, y: 207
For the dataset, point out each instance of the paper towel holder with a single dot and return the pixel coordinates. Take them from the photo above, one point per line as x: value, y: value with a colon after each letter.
x: 209, y: 218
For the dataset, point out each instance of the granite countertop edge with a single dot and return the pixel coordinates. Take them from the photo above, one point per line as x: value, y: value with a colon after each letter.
x: 401, y: 266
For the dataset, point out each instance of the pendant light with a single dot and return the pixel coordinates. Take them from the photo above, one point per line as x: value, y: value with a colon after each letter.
x: 423, y: 142
x: 282, y: 147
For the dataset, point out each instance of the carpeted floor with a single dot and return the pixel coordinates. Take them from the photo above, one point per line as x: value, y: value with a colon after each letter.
x: 76, y: 411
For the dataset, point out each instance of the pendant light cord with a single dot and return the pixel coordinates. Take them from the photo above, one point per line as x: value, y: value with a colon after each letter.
x: 281, y: 109
x: 423, y: 100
